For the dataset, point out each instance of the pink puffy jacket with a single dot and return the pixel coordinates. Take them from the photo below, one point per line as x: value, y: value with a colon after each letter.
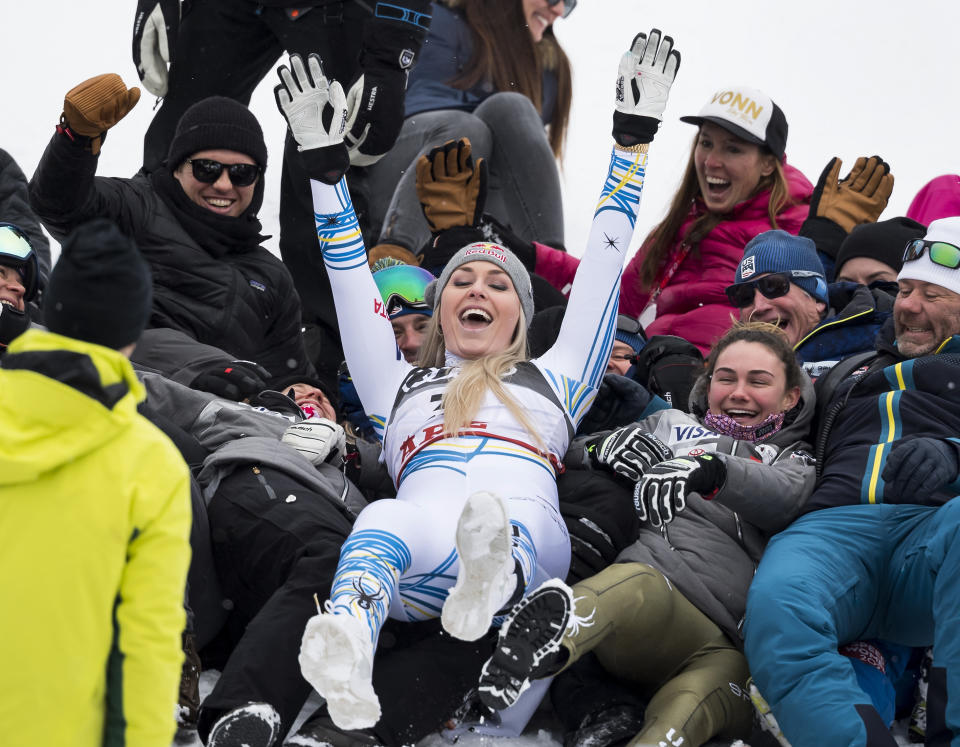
x: 693, y: 304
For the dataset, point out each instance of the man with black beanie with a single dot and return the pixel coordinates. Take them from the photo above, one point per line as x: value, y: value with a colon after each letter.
x: 96, y: 502
x: 194, y: 221
x: 227, y: 46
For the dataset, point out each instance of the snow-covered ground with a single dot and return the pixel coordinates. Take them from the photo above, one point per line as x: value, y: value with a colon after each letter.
x: 853, y: 79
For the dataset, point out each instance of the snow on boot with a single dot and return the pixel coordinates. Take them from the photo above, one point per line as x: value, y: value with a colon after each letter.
x: 486, y: 577
x: 528, y: 644
x: 252, y: 725
x: 336, y: 657
x: 319, y: 730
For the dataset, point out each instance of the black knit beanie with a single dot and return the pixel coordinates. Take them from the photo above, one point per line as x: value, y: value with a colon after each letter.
x: 883, y: 241
x: 217, y: 123
x: 100, y: 289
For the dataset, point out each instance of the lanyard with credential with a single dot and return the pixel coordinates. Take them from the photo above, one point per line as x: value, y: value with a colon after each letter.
x: 651, y: 306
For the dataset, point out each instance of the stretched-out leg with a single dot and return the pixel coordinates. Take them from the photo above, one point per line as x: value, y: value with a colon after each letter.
x: 524, y: 180
x: 817, y: 586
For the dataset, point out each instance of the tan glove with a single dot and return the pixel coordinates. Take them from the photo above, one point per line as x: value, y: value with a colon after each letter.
x: 452, y: 189
x: 860, y: 197
x: 96, y: 105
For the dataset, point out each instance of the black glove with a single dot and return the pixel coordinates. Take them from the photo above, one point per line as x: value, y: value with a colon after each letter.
x: 921, y: 466
x: 662, y: 492
x: 155, y: 27
x: 391, y: 42
x: 237, y: 380
x: 629, y: 452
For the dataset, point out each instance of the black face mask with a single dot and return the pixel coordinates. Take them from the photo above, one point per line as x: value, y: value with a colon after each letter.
x: 13, y: 323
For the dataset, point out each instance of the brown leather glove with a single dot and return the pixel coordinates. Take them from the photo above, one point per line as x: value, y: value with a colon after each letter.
x: 96, y: 105
x: 452, y: 189
x: 860, y: 197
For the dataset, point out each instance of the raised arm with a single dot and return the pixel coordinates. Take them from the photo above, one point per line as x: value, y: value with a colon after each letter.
x: 586, y: 336
x: 315, y: 110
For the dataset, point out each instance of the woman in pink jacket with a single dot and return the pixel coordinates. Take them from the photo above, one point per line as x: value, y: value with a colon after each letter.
x: 737, y: 184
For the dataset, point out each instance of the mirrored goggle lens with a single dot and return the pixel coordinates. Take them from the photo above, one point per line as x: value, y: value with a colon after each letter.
x: 941, y: 253
x: 403, y: 284
x: 771, y: 286
x: 14, y: 244
x: 568, y: 6
x: 208, y: 171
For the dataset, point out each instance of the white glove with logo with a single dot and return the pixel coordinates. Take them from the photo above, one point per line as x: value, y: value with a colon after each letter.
x: 643, y: 85
x: 318, y: 439
x: 316, y: 112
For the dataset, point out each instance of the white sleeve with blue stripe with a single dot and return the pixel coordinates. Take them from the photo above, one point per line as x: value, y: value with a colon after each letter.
x: 576, y: 363
x: 369, y: 345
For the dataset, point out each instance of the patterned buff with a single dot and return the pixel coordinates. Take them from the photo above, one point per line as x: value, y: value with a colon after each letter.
x: 729, y: 427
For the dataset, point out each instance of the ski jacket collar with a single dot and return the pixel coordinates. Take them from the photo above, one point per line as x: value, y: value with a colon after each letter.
x: 57, y: 390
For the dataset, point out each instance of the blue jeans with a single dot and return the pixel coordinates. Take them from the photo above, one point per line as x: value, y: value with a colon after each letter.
x: 845, y: 574
x: 523, y: 186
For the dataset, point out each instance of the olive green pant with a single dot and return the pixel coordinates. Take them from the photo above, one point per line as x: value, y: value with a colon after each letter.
x: 644, y: 631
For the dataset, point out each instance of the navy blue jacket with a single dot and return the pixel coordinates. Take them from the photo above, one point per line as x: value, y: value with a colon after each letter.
x: 897, y: 399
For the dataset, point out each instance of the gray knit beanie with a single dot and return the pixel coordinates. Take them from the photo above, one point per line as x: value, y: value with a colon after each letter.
x: 483, y: 251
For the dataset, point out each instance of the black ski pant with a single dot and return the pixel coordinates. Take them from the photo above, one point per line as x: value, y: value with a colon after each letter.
x: 225, y: 48
x: 275, y: 544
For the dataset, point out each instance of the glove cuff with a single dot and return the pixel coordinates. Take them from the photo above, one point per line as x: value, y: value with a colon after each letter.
x: 391, y: 43
x: 327, y: 164
x: 85, y: 142
x: 825, y: 233
x: 714, y: 476
x: 630, y: 130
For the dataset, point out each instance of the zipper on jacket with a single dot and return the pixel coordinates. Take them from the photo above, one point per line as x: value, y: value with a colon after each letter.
x: 271, y: 494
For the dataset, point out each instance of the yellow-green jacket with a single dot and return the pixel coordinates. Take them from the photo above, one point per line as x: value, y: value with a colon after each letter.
x: 94, y: 549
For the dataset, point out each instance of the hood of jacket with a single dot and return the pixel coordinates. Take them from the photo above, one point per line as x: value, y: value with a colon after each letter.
x: 60, y: 399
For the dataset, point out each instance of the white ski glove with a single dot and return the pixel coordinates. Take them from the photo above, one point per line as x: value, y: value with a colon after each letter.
x: 629, y: 452
x: 318, y: 439
x: 154, y: 36
x: 643, y: 85
x: 662, y: 493
x: 316, y: 112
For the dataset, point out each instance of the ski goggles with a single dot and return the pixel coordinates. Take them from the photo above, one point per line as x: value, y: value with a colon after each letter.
x: 402, y: 288
x: 629, y: 325
x: 774, y: 285
x: 16, y: 251
x: 207, y: 170
x: 568, y: 6
x: 940, y: 252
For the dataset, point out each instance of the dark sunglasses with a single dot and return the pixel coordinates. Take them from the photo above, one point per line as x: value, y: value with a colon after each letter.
x: 568, y: 6
x: 208, y: 171
x: 941, y: 253
x: 774, y: 285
